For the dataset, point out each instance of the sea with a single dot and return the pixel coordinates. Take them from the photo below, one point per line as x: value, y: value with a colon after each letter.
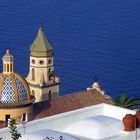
x: 89, y: 37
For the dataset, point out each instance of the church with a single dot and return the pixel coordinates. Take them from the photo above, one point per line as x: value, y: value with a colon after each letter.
x: 18, y: 94
x: 37, y: 95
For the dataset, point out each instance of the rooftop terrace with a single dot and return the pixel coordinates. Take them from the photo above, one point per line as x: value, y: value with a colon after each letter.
x: 97, y: 122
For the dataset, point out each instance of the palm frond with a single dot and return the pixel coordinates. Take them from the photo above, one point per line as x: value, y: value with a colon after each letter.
x: 126, y: 102
x: 131, y: 99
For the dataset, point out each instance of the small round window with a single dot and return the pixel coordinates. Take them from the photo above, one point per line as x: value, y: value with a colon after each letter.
x: 49, y: 61
x: 33, y: 61
x: 41, y: 62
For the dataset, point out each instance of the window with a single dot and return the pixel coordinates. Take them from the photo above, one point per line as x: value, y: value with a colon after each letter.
x: 49, y: 61
x: 41, y: 62
x: 33, y: 93
x: 33, y: 74
x: 33, y: 61
x: 7, y: 117
x: 11, y: 68
x: 7, y: 67
x: 49, y: 70
x: 24, y: 117
x: 50, y: 95
x: 50, y: 77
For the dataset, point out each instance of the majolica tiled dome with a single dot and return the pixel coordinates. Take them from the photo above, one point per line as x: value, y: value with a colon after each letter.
x: 13, y: 88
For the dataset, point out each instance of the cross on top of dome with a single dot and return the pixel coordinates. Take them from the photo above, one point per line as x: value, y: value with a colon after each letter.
x: 8, y: 53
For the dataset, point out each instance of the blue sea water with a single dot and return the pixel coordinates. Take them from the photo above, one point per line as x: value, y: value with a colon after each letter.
x: 88, y: 36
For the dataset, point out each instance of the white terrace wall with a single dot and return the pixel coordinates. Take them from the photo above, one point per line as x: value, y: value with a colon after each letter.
x: 116, y: 112
x: 56, y: 122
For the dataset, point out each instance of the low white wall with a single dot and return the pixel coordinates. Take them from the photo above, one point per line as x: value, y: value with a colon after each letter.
x: 57, y: 122
x: 116, y: 112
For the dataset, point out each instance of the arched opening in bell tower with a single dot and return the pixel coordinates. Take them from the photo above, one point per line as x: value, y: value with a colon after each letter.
x: 33, y: 74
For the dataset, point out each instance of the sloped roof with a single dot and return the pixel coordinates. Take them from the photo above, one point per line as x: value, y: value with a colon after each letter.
x: 68, y: 103
x: 41, y: 44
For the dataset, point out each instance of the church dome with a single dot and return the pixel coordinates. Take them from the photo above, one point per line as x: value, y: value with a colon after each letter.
x: 13, y: 88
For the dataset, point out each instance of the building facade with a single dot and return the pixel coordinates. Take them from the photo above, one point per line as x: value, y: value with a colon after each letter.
x: 43, y: 82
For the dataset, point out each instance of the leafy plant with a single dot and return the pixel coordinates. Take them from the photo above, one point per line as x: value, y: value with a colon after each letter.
x: 15, y: 135
x: 125, y: 101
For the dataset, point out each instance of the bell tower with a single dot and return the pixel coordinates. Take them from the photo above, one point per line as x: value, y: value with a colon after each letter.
x: 43, y: 82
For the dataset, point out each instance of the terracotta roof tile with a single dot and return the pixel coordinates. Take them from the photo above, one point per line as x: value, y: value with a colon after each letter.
x: 68, y: 102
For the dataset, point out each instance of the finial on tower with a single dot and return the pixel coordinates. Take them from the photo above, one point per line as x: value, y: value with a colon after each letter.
x: 8, y: 52
x: 96, y: 78
x: 40, y: 26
